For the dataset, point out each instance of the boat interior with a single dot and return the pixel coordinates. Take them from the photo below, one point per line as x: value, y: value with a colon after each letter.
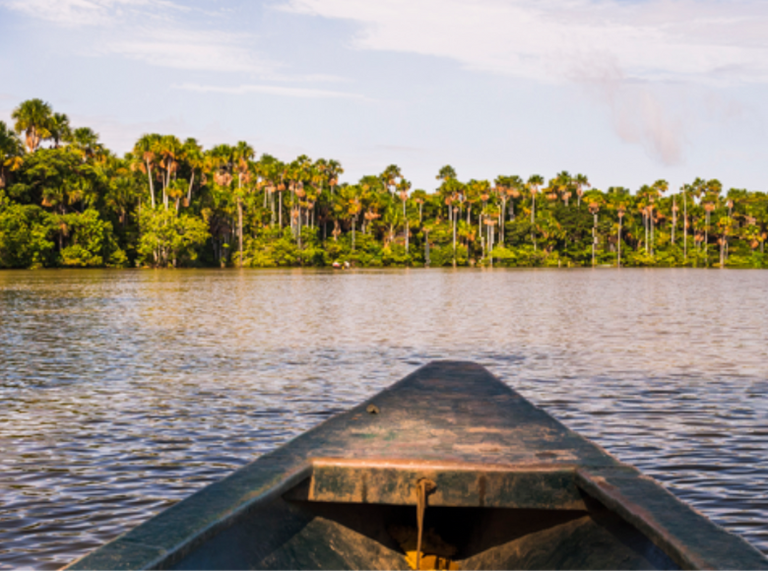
x: 346, y: 519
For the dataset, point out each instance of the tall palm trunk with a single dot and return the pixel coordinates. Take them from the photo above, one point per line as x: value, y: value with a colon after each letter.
x: 405, y: 217
x: 189, y: 190
x: 685, y: 227
x: 706, y: 239
x: 618, y: 259
x: 407, y: 236
x: 645, y: 228
x: 722, y: 252
x: 594, y: 239
x: 240, y: 228
x: 454, y: 239
x: 490, y: 243
x: 240, y: 216
x: 166, y: 178
x: 481, y: 234
x: 151, y: 184
x: 674, y: 219
x: 501, y: 220
x: 533, y: 218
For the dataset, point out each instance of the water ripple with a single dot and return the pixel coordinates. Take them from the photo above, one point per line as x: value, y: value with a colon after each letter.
x: 123, y: 392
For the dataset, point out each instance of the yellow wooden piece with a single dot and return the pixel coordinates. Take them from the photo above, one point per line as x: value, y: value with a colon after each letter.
x: 435, y: 553
x: 429, y: 562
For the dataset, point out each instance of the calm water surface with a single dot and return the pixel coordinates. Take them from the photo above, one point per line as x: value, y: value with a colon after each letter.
x: 123, y: 392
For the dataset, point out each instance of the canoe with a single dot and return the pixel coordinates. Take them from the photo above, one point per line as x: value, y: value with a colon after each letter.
x: 448, y: 468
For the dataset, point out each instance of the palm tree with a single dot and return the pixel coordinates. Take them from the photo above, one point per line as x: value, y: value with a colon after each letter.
x: 472, y: 191
x: 299, y: 171
x: 419, y: 196
x: 675, y: 209
x: 657, y: 189
x: 594, y: 208
x: 451, y: 191
x: 490, y: 220
x: 59, y: 129
x: 403, y: 189
x: 170, y: 149
x: 645, y: 207
x: 121, y: 192
x: 514, y: 192
x: 192, y: 153
x: 581, y: 181
x: 685, y: 189
x: 621, y: 211
x: 445, y: 173
x: 144, y: 152
x: 505, y: 189
x: 751, y: 232
x: 534, y: 182
x: 33, y: 117
x: 334, y: 170
x: 390, y: 178
x: 348, y: 206
x: 697, y: 193
x: 243, y: 154
x: 270, y: 170
x: 725, y: 225
x: 562, y: 183
x: 86, y: 141
x: 712, y: 189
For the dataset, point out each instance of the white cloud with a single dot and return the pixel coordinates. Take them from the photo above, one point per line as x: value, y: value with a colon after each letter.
x: 547, y: 40
x: 192, y: 50
x: 628, y: 55
x: 152, y: 32
x: 85, y: 12
x: 270, y: 90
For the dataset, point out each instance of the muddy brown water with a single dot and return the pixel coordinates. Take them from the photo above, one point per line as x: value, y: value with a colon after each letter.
x: 123, y: 392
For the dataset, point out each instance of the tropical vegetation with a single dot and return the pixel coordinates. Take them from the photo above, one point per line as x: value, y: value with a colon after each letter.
x: 67, y: 201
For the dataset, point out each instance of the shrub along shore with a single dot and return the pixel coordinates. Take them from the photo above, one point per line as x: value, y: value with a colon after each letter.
x: 67, y: 201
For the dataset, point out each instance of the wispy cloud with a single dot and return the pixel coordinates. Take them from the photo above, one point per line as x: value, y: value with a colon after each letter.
x: 706, y: 40
x: 192, y: 50
x: 271, y: 90
x: 153, y: 32
x: 626, y: 54
x: 87, y: 12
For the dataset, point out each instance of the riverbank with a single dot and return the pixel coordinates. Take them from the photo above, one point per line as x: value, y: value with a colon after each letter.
x: 67, y: 201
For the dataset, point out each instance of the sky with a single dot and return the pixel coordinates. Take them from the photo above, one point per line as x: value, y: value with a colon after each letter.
x: 624, y: 91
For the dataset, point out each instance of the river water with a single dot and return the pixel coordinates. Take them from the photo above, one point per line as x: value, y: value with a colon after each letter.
x: 122, y: 392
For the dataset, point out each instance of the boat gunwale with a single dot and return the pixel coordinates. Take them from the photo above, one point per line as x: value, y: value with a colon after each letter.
x: 170, y: 556
x: 275, y: 473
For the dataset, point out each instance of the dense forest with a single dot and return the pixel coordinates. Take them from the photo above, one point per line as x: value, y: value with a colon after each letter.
x: 67, y: 201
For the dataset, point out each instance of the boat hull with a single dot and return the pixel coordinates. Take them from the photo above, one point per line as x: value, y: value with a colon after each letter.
x: 510, y: 488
